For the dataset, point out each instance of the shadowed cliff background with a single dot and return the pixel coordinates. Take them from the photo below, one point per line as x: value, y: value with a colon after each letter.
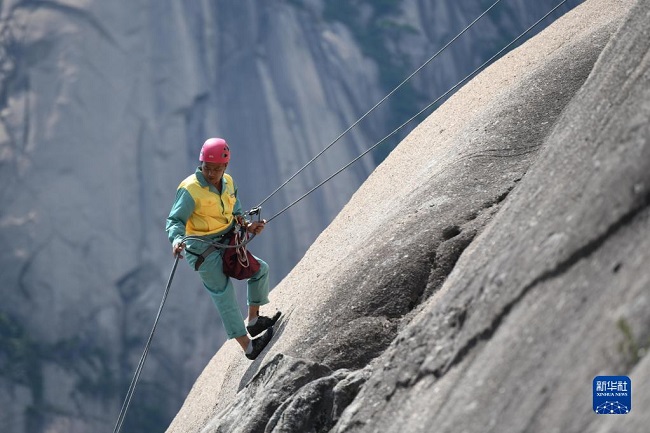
x: 104, y: 106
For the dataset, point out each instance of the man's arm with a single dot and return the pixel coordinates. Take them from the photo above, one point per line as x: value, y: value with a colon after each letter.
x: 178, y: 216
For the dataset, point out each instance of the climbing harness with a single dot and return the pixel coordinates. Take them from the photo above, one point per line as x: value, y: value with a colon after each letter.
x: 241, y: 243
x: 239, y: 239
x: 238, y: 230
x: 212, y: 247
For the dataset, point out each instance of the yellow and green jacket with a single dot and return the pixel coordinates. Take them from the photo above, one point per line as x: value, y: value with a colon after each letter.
x: 201, y: 210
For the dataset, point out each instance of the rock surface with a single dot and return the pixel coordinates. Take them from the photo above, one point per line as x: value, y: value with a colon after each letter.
x: 103, y: 107
x: 488, y: 270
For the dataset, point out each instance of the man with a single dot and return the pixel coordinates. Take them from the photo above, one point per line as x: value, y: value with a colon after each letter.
x: 207, y: 205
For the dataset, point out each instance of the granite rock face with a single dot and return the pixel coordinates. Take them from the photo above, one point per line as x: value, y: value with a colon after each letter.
x: 488, y: 270
x: 103, y: 108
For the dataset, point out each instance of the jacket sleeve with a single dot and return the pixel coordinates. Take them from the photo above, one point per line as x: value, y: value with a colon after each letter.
x: 178, y: 216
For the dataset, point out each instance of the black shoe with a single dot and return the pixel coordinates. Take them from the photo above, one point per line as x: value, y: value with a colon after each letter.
x: 260, y: 343
x: 262, y: 324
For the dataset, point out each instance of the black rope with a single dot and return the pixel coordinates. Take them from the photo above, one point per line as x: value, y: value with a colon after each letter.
x: 378, y: 103
x: 138, y: 370
x: 420, y: 112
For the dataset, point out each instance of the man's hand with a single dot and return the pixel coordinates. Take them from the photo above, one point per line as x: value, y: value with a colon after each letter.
x: 256, y: 227
x: 177, y: 248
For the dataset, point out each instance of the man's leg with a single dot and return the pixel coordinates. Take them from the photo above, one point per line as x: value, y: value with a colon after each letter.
x: 223, y: 295
x: 258, y: 294
x: 258, y: 290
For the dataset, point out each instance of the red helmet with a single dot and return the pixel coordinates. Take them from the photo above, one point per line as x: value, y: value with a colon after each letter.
x: 215, y: 150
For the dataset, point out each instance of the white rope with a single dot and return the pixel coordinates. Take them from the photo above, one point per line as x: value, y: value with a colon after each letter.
x: 454, y: 87
x: 379, y: 103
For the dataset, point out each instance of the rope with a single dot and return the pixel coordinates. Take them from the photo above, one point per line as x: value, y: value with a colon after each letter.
x: 243, y: 243
x: 242, y: 257
x: 378, y: 104
x: 420, y: 112
x: 138, y: 370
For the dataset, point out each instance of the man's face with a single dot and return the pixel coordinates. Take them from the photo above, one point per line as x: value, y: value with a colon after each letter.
x: 213, y: 172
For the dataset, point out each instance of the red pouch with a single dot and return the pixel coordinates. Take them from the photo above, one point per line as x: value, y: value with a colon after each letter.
x: 238, y: 262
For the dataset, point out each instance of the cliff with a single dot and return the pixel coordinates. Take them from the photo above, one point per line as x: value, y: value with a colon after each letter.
x: 103, y: 107
x: 486, y: 272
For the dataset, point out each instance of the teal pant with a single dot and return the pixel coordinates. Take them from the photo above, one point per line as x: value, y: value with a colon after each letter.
x: 222, y: 291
